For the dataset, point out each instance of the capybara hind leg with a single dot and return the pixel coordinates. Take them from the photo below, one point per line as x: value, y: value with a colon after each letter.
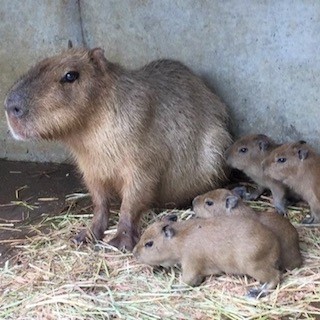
x: 100, y: 219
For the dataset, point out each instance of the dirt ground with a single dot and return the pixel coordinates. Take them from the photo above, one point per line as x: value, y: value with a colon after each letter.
x: 27, y: 191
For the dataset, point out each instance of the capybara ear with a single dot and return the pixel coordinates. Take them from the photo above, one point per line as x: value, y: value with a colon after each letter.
x: 240, y: 191
x: 231, y: 202
x: 70, y: 45
x: 170, y: 218
x: 97, y: 56
x: 168, y: 231
x: 303, y: 154
x: 264, y: 144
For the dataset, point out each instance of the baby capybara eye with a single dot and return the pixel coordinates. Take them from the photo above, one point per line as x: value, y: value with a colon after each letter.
x: 149, y: 244
x: 281, y: 160
x: 209, y: 203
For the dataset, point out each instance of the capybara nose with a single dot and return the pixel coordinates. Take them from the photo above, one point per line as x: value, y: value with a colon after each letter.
x: 15, y: 105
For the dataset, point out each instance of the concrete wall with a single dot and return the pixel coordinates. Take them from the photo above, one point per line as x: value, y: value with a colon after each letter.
x: 30, y: 30
x: 261, y: 57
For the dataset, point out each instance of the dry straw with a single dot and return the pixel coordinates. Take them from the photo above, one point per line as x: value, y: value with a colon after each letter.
x: 52, y: 278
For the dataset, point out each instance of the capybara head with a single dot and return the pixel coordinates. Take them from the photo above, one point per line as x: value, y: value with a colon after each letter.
x: 53, y: 97
x: 287, y: 160
x: 213, y: 203
x: 155, y: 246
x: 248, y: 151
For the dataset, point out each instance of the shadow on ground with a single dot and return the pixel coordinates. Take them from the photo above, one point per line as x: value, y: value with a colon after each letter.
x: 27, y: 191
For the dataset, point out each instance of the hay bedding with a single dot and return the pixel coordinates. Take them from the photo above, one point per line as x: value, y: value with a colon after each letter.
x: 52, y: 278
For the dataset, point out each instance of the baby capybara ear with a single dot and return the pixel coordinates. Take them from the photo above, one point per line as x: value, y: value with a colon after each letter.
x: 168, y: 231
x: 232, y: 202
x: 170, y: 218
x: 264, y: 145
x: 303, y: 154
x: 240, y: 191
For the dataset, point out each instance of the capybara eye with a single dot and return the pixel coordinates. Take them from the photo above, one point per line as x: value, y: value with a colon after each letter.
x: 149, y: 244
x: 243, y: 150
x: 209, y: 203
x: 281, y: 160
x: 70, y: 76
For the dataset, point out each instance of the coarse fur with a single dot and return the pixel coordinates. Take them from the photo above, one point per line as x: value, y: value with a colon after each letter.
x: 246, y: 154
x: 224, y: 202
x: 153, y: 136
x: 236, y: 245
x: 297, y: 165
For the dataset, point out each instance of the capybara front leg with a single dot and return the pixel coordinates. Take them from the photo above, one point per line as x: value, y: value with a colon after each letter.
x: 101, y: 214
x: 127, y: 234
x: 134, y: 203
x: 279, y: 199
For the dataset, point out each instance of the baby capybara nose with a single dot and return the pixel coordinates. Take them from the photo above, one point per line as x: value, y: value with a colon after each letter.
x: 15, y: 105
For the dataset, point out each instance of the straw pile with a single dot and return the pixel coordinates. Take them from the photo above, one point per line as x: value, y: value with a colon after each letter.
x: 52, y: 278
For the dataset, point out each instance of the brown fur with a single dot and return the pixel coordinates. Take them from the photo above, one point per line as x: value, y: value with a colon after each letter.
x: 153, y: 136
x: 224, y: 202
x: 237, y: 245
x: 297, y: 165
x: 257, y: 147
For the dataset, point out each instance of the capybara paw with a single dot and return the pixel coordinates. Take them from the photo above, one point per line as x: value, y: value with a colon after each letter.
x: 123, y: 242
x: 256, y: 293
x: 308, y: 220
x: 281, y: 210
x: 87, y: 235
x: 81, y: 237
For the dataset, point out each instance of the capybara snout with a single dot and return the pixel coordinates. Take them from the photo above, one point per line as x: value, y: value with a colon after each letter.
x: 50, y: 101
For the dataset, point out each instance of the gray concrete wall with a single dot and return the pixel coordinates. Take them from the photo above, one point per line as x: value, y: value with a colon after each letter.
x: 30, y: 30
x: 261, y: 57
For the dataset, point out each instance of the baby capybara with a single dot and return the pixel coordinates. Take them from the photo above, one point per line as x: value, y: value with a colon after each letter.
x: 224, y: 202
x: 236, y: 245
x: 153, y: 136
x: 246, y: 154
x: 297, y: 165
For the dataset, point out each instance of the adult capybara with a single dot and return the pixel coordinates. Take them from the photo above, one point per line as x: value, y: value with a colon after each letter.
x: 297, y: 165
x: 246, y: 154
x: 224, y: 202
x: 153, y: 136
x: 237, y: 245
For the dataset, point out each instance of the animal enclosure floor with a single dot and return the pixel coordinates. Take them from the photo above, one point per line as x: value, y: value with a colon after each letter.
x: 50, y: 277
x: 27, y: 192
